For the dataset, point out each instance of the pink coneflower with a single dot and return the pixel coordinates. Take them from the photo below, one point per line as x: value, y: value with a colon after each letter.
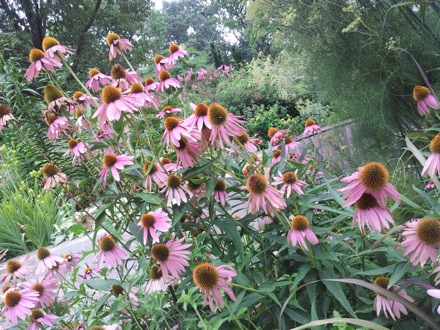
x: 290, y: 182
x: 119, y: 290
x: 436, y: 271
x: 46, y: 260
x: 40, y: 61
x: 175, y: 53
x: 154, y: 171
x: 71, y: 260
x: 290, y: 144
x: 430, y: 185
x: 432, y: 165
x: 224, y: 125
x: 109, y: 252
x: 166, y: 81
x: 210, y: 279
x: 172, y: 257
x: 249, y: 144
x: 81, y: 101
x: 167, y: 110
x: 18, y: 304
x: 5, y: 115
x: 261, y: 222
x: 199, y: 119
x: 201, y: 74
x: 371, y: 179
x: 187, y: 151
x: 106, y: 327
x: 89, y: 272
x: 156, y: 282
x: 138, y: 92
x: 174, y: 131
x: 114, y: 163
x: 160, y: 63
x: 436, y: 294
x: 52, y: 175
x: 150, y: 84
x: 277, y: 137
x: 16, y: 269
x: 57, y: 125
x: 261, y: 194
x: 176, y: 192
x: 425, y: 100
x: 219, y: 192
x: 77, y: 149
x: 389, y: 306
x: 39, y: 319
x: 368, y: 212
x: 85, y: 221
x: 311, y: 128
x: 115, y: 103
x: 46, y: 288
x: 276, y: 156
x: 97, y: 78
x: 53, y: 48
x: 301, y: 231
x: 421, y: 240
x: 104, y: 133
x: 152, y: 221
x: 117, y: 45
x: 123, y: 78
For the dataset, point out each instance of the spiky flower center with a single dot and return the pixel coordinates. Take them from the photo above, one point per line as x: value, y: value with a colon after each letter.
x: 4, y: 110
x: 428, y: 231
x: 173, y: 48
x: 309, y: 122
x: 300, y: 223
x: 257, y: 183
x: 167, y: 108
x: 165, y: 161
x: 182, y: 145
x: 49, y: 170
x: 173, y: 181
x: 50, y: 118
x: 171, y: 123
x: 158, y: 58
x: 160, y: 252
x: 79, y: 112
x: 243, y: 138
x: 155, y: 273
x: 434, y: 146
x: 39, y: 288
x: 107, y: 243
x: 247, y: 169
x: 77, y: 94
x: 117, y: 72
x: 366, y: 202
x: 49, y: 42
x: 68, y: 257
x: 6, y: 288
x: 206, y: 276
x: 111, y: 94
x: 110, y: 160
x: 148, y: 220
x: 271, y: 131
x: 111, y: 38
x: 334, y: 229
x: 37, y: 314
x: 35, y: 55
x: 51, y: 93
x: 149, y: 81
x: 374, y: 176
x: 289, y: 178
x: 164, y: 75
x: 93, y: 72
x: 42, y: 253
x: 12, y: 266
x: 136, y: 88
x: 72, y: 144
x: 117, y: 289
x: 382, y: 281
x: 192, y: 185
x: 220, y: 185
x: 12, y: 298
x: 420, y: 92
x: 201, y: 110
x: 152, y: 170
x: 217, y: 114
x: 88, y: 271
x: 276, y: 153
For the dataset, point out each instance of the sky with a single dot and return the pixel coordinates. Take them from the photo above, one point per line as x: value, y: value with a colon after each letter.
x: 157, y: 4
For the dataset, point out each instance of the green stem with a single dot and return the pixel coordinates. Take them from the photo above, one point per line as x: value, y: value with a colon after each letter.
x: 128, y: 62
x: 243, y: 287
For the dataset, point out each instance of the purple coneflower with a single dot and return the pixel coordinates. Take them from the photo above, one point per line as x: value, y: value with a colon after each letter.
x: 300, y: 230
x: 167, y: 110
x: 174, y: 131
x: 368, y: 212
x: 52, y: 175
x: 290, y: 183
x: 311, y: 128
x: 53, y: 48
x: 175, y: 191
x: 18, y: 304
x: 40, y: 61
x: 16, y: 269
x: 124, y: 78
x: 39, y: 318
x: 150, y: 84
x: 371, y: 179
x: 109, y: 252
x: 432, y: 165
x: 172, y: 257
x: 219, y: 193
x: 166, y: 81
x: 436, y: 294
x: 389, y: 306
x: 117, y: 45
x: 421, y: 240
x: 156, y: 282
x: 57, y: 125
x: 71, y: 260
x: 153, y: 171
x: 277, y: 137
x: 261, y: 194
x: 210, y: 279
x: 425, y: 100
x: 152, y: 221
x: 46, y: 260
x: 430, y: 185
x: 89, y: 272
x: 249, y: 144
x: 224, y: 125
x: 78, y: 149
x: 175, y: 53
x: 186, y: 152
x: 5, y: 115
x: 46, y: 287
x: 114, y: 163
x: 97, y: 78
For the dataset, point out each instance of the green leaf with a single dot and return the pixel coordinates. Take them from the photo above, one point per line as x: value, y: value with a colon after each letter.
x: 379, y: 271
x: 193, y: 171
x: 400, y: 270
x: 362, y: 323
x: 266, y: 287
x: 229, y: 226
x: 101, y: 285
x: 78, y: 229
